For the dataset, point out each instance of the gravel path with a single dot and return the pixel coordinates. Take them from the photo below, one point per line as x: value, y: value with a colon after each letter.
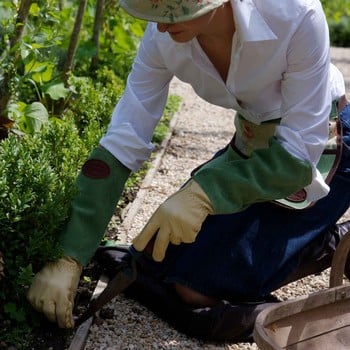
x: 200, y: 129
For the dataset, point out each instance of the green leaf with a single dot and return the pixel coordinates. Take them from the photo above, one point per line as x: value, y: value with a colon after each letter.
x: 13, y: 312
x: 34, y: 116
x: 56, y: 91
x: 123, y: 40
x: 34, y: 9
x: 25, y: 275
x: 40, y: 71
x: 137, y: 28
x: 10, y: 308
x: 15, y: 109
x: 87, y: 279
x: 87, y: 49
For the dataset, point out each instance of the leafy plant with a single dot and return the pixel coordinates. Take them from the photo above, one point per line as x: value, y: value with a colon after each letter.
x: 163, y: 126
x: 36, y: 187
x: 338, y: 13
x: 340, y: 32
x: 93, y: 101
x: 336, y: 9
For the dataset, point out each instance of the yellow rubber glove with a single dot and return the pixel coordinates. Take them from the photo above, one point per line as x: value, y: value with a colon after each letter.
x: 177, y: 220
x: 53, y: 290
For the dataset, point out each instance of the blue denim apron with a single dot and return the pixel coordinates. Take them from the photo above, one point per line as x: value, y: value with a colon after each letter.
x: 247, y: 255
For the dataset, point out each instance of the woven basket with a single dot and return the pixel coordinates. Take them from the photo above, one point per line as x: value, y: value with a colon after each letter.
x: 319, y: 321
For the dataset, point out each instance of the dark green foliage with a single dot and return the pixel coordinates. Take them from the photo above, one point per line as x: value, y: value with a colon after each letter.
x: 36, y: 185
x: 340, y: 32
x: 119, y: 40
x: 37, y: 175
x: 338, y: 17
x: 94, y: 101
x: 163, y: 126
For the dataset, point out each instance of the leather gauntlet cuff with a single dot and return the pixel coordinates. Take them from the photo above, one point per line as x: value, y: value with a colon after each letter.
x: 100, y: 184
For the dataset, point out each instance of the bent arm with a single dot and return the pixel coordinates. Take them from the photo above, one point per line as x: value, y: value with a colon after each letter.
x: 289, y: 163
x: 232, y: 183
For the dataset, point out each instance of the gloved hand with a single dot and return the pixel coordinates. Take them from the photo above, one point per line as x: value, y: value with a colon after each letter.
x: 54, y: 288
x: 177, y: 220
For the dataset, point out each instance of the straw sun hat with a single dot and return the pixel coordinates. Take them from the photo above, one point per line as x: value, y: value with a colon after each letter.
x: 169, y: 11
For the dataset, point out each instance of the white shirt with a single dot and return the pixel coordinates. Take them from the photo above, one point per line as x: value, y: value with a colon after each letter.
x: 280, y: 68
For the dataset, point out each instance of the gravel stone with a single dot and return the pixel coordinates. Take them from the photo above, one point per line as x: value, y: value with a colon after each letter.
x: 200, y: 130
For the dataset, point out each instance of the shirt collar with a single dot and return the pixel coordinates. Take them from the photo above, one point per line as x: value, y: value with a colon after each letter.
x: 250, y: 23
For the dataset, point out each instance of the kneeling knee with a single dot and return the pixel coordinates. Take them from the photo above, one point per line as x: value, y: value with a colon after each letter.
x: 191, y: 297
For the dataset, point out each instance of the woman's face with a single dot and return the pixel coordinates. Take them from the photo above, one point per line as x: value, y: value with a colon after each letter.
x: 182, y: 32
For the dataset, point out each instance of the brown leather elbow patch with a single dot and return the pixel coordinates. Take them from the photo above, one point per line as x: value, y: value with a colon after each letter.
x: 96, y: 169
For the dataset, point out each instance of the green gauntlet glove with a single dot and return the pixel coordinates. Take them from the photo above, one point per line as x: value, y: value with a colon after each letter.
x: 177, y: 220
x: 100, y: 184
x: 232, y: 182
x: 53, y: 290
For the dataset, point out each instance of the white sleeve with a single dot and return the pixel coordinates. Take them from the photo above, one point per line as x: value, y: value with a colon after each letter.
x: 337, y: 83
x: 306, y: 96
x: 138, y: 111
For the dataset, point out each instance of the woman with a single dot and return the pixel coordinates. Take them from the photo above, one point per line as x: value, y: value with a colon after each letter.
x: 227, y: 233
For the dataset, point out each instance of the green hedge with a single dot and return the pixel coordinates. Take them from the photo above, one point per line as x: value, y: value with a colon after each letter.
x: 37, y: 176
x: 340, y: 32
x: 338, y: 17
x: 36, y: 187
